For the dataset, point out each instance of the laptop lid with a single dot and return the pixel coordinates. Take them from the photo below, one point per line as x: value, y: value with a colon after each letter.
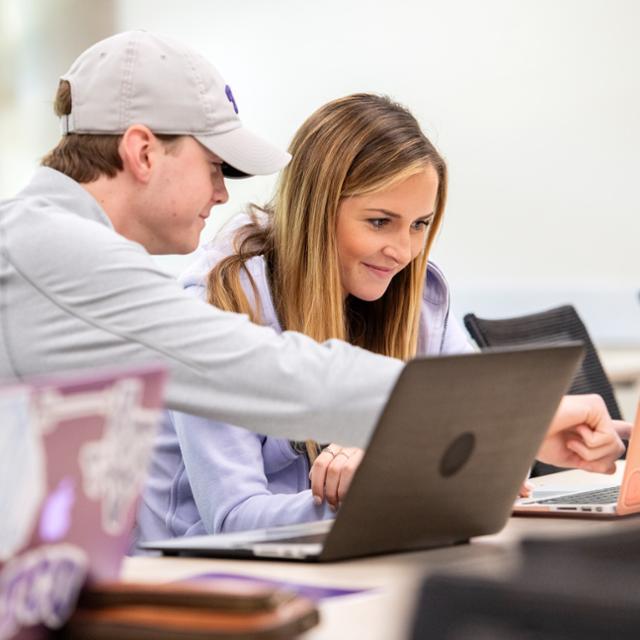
x: 629, y: 498
x: 451, y: 449
x: 445, y: 462
x: 74, y: 450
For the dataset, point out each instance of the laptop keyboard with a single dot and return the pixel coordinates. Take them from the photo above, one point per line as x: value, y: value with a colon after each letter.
x: 599, y: 496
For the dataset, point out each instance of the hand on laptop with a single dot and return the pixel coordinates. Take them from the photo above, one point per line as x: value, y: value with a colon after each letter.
x: 583, y: 435
x: 332, y: 472
x: 525, y: 489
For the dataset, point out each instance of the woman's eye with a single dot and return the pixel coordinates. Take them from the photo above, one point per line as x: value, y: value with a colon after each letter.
x: 421, y: 225
x: 378, y: 223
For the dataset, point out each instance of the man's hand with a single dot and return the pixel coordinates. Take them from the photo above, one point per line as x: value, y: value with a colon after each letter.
x: 332, y: 472
x: 583, y: 435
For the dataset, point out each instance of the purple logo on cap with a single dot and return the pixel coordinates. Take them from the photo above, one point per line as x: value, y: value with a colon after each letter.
x: 232, y: 100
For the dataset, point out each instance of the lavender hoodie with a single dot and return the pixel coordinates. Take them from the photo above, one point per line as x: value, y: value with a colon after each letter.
x: 211, y: 480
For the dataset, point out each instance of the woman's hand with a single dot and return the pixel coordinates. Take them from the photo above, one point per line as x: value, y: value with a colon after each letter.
x: 332, y: 472
x: 525, y: 489
x: 583, y: 435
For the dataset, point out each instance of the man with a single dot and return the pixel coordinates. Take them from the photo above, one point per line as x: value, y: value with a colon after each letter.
x: 149, y: 131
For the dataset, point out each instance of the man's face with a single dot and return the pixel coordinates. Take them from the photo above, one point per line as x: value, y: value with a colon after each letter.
x: 187, y: 182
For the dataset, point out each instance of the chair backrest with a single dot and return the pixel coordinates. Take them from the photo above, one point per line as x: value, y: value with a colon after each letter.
x: 459, y: 607
x: 552, y: 326
x: 555, y: 325
x: 583, y: 587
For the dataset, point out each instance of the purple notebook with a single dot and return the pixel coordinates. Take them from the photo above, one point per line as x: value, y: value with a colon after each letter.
x: 312, y: 592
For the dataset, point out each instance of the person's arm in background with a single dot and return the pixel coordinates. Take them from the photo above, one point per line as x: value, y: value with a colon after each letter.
x: 583, y: 435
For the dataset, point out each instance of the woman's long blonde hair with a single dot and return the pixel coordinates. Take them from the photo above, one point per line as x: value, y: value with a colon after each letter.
x: 352, y: 146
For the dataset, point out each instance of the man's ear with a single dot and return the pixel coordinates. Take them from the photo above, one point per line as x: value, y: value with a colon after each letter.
x: 138, y: 150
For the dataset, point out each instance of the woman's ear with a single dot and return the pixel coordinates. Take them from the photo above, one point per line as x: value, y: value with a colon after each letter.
x: 138, y: 150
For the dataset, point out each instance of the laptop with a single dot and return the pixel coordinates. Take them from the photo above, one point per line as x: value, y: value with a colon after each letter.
x: 444, y: 464
x: 618, y: 499
x: 74, y: 450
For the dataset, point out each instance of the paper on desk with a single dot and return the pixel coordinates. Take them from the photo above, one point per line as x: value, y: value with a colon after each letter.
x: 315, y: 593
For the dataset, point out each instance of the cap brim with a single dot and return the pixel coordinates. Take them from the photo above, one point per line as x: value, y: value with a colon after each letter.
x: 246, y: 152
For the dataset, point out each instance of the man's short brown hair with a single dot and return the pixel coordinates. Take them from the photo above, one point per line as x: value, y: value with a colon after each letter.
x: 85, y: 157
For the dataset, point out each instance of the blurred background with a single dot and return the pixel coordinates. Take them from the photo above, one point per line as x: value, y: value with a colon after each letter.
x: 535, y: 105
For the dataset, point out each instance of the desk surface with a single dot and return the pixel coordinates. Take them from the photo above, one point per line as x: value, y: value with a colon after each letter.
x: 384, y: 612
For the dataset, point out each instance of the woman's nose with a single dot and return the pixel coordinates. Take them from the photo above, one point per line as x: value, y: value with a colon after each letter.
x: 399, y: 248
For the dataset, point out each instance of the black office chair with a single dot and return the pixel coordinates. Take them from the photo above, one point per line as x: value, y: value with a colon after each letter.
x: 555, y: 325
x: 582, y: 588
x: 456, y: 607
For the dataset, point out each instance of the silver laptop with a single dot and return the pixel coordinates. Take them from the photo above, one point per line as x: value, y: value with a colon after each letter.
x: 444, y: 464
x: 616, y: 500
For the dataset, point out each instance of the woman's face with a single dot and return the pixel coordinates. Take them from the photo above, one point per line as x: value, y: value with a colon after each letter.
x: 379, y: 234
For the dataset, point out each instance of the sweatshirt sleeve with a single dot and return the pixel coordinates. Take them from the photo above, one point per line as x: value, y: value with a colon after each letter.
x: 95, y: 299
x: 226, y: 470
x: 439, y: 332
x: 455, y: 339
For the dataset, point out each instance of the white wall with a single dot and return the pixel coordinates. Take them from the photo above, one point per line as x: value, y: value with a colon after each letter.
x: 534, y: 103
x: 38, y: 41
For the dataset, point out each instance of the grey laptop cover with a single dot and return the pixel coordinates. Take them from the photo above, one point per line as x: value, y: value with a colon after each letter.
x: 444, y: 464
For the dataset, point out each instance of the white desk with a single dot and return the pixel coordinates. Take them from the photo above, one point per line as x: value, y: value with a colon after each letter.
x: 385, y: 612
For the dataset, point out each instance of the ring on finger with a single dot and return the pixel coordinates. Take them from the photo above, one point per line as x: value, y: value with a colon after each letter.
x: 342, y: 453
x: 330, y: 451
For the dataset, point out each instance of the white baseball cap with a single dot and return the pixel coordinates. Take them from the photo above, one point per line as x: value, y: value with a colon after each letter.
x: 137, y: 77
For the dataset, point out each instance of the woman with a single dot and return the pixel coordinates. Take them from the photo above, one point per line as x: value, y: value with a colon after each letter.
x: 341, y: 252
